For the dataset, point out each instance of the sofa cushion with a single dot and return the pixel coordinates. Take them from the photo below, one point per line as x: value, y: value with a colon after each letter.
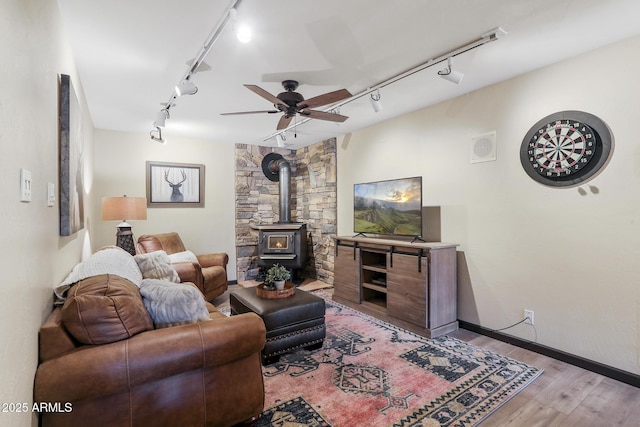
x: 103, y: 309
x: 171, y: 304
x: 157, y: 265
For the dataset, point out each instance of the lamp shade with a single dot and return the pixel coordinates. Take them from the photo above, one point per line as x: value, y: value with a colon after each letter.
x: 124, y: 208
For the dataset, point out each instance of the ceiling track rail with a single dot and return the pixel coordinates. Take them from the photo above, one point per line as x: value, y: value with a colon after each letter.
x: 488, y: 37
x: 204, y: 51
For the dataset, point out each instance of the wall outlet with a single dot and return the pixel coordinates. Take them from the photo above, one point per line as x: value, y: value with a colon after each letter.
x: 528, y: 317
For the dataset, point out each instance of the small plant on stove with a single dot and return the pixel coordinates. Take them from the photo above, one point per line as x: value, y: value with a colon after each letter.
x: 276, y: 273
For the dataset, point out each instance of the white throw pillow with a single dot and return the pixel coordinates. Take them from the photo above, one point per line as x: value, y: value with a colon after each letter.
x: 172, y: 304
x: 157, y: 265
x: 186, y: 256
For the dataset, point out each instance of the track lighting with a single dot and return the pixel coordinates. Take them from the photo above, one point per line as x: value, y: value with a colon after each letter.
x: 157, y: 137
x: 187, y: 87
x: 161, y: 117
x: 280, y: 139
x: 447, y: 73
x: 450, y: 74
x: 375, y: 101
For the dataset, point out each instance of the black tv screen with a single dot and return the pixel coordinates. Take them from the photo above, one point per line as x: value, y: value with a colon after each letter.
x: 388, y: 207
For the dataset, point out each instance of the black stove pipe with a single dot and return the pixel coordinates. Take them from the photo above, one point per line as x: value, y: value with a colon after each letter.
x: 284, y: 172
x: 278, y: 169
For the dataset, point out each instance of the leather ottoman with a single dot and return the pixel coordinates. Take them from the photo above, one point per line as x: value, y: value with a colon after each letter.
x: 293, y: 322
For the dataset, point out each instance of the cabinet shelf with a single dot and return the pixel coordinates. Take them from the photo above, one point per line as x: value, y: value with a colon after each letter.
x: 374, y: 287
x: 376, y: 268
x: 374, y: 276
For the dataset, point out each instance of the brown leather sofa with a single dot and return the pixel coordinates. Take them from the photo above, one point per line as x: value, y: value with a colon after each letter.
x: 209, y: 274
x: 103, y: 363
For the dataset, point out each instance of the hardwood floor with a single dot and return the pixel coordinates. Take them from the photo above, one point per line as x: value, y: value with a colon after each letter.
x: 563, y: 396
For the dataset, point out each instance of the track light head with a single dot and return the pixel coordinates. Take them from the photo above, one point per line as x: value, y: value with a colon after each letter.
x: 375, y: 101
x: 280, y: 139
x: 453, y: 76
x: 187, y: 87
x: 156, y: 135
x: 161, y: 117
x: 450, y: 74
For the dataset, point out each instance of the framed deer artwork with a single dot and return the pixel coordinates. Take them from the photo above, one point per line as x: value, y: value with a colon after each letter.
x: 175, y: 185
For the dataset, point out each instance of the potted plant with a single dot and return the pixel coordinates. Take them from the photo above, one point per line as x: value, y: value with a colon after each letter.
x: 277, y: 275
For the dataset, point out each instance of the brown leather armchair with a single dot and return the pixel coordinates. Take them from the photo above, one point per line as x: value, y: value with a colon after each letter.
x: 209, y: 274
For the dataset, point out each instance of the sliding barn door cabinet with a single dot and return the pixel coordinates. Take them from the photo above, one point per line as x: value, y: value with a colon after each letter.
x: 413, y: 285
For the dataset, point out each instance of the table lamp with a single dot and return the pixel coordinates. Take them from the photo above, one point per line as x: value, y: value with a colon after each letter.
x: 122, y: 209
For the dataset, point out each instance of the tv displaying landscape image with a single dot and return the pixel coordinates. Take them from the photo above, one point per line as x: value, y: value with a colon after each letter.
x: 388, y: 207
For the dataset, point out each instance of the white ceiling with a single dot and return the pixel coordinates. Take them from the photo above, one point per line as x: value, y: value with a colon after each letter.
x: 131, y: 54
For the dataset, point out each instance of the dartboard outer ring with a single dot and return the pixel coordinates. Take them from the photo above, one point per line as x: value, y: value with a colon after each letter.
x: 603, y: 149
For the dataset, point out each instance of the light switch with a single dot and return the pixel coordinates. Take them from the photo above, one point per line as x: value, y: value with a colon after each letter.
x: 25, y: 185
x: 51, y: 194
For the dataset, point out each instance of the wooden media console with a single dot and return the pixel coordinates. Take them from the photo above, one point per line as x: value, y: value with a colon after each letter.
x: 413, y: 285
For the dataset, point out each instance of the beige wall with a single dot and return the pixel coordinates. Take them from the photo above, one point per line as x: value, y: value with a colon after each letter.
x: 120, y: 169
x: 571, y: 258
x: 33, y: 257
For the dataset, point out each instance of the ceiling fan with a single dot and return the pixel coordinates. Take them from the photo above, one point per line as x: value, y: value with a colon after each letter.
x: 291, y: 103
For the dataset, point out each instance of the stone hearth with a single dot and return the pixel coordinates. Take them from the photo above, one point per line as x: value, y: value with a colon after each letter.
x: 313, y: 202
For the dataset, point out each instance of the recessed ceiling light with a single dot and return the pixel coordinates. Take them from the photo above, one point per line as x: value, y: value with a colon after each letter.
x: 244, y: 33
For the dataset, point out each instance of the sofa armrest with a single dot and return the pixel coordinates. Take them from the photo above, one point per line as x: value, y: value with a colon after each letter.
x: 189, y: 272
x: 210, y: 260
x: 102, y: 370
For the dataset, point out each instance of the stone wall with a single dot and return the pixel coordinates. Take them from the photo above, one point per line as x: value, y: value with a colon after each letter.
x: 313, y: 201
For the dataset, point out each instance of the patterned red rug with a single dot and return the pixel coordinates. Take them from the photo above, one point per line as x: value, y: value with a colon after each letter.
x: 372, y: 373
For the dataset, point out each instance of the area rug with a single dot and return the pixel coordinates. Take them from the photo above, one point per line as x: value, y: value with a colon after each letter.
x: 372, y: 373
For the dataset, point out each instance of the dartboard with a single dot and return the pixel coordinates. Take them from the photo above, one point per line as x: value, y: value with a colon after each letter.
x: 566, y: 148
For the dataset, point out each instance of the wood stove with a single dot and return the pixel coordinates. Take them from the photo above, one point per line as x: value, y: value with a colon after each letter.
x: 283, y: 242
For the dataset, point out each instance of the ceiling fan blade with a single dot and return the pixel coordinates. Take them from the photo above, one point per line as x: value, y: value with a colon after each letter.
x: 250, y: 112
x: 321, y: 115
x: 284, y: 122
x: 266, y: 95
x: 327, y: 98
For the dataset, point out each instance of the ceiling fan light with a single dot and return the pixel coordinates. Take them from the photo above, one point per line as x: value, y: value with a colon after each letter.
x: 187, y: 87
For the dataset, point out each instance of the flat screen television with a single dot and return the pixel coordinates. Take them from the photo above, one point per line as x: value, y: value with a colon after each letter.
x: 392, y: 207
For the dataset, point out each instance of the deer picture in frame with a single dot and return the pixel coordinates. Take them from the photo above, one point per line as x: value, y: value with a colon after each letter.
x: 176, y: 195
x: 174, y: 185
